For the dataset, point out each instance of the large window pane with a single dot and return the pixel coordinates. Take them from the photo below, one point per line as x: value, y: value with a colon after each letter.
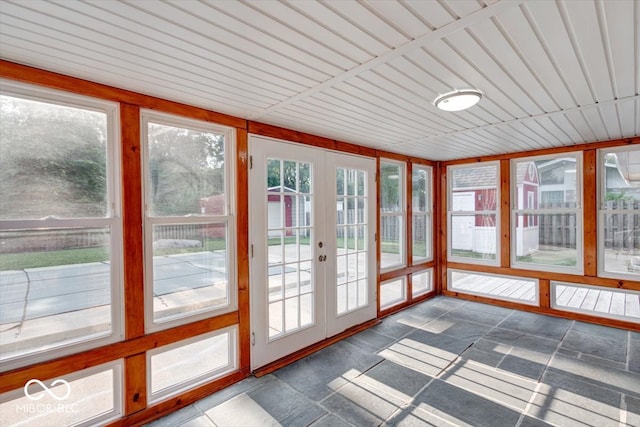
x: 621, y: 232
x: 548, y: 239
x: 597, y: 301
x: 53, y: 160
x: 473, y: 212
x: 55, y: 288
x: 392, y: 215
x: 473, y: 177
x: 507, y: 288
x: 619, y: 220
x: 89, y: 397
x: 556, y: 179
x: 546, y: 224
x: 186, y: 171
x: 421, y: 237
x: 393, y: 292
x: 421, y: 220
x: 421, y: 282
x: 188, y: 224
x: 391, y: 242
x: 190, y: 269
x: 187, y: 363
x: 391, y: 175
x: 60, y: 234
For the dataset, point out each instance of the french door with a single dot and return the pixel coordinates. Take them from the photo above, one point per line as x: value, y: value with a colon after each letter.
x: 312, y: 231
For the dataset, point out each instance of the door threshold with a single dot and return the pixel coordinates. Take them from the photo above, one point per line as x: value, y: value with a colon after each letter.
x: 293, y: 357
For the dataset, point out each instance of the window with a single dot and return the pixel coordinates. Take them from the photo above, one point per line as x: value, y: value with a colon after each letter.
x: 421, y: 208
x: 189, y: 223
x: 60, y: 225
x: 507, y: 288
x: 87, y: 398
x: 392, y: 215
x: 186, y: 364
x: 393, y: 292
x: 597, y: 301
x: 421, y: 282
x: 546, y: 232
x: 619, y: 216
x: 473, y: 213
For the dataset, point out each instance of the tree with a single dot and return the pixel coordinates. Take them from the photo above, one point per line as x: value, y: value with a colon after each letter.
x: 52, y: 160
x: 390, y: 186
x: 185, y: 166
x: 292, y: 175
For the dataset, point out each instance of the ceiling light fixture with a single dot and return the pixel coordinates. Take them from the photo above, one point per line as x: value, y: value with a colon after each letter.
x: 458, y: 100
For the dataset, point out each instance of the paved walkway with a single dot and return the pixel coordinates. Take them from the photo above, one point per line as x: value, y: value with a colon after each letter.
x: 45, y: 305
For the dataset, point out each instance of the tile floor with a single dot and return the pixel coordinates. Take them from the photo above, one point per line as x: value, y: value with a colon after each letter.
x: 445, y: 362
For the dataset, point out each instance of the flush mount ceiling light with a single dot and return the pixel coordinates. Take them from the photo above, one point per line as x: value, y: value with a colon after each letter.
x: 458, y: 100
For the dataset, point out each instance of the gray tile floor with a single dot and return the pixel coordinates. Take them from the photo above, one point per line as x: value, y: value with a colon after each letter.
x: 445, y: 362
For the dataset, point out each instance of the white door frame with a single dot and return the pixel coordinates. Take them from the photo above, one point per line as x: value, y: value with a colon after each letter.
x: 327, y: 322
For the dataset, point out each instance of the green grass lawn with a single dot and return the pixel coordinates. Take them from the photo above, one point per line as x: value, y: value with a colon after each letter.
x: 562, y: 258
x: 471, y: 254
x: 51, y: 258
x: 273, y: 241
x: 20, y: 261
x: 392, y: 247
x: 210, y: 245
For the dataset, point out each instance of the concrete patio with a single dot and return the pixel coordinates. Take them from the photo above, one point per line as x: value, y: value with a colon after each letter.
x: 445, y: 362
x: 45, y: 305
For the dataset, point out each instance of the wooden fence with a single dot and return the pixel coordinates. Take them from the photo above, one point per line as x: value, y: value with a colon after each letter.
x: 621, y: 230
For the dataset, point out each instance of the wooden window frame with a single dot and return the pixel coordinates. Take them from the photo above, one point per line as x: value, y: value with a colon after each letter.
x: 496, y: 212
x: 402, y: 214
x: 182, y: 386
x: 602, y: 212
x: 227, y: 219
x: 577, y: 211
x: 428, y: 214
x: 112, y: 219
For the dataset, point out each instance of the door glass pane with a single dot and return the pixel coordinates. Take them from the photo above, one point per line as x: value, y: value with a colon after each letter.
x: 274, y: 180
x: 289, y: 248
x: 351, y: 247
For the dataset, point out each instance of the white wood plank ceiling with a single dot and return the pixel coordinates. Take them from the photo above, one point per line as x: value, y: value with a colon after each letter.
x: 553, y: 73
